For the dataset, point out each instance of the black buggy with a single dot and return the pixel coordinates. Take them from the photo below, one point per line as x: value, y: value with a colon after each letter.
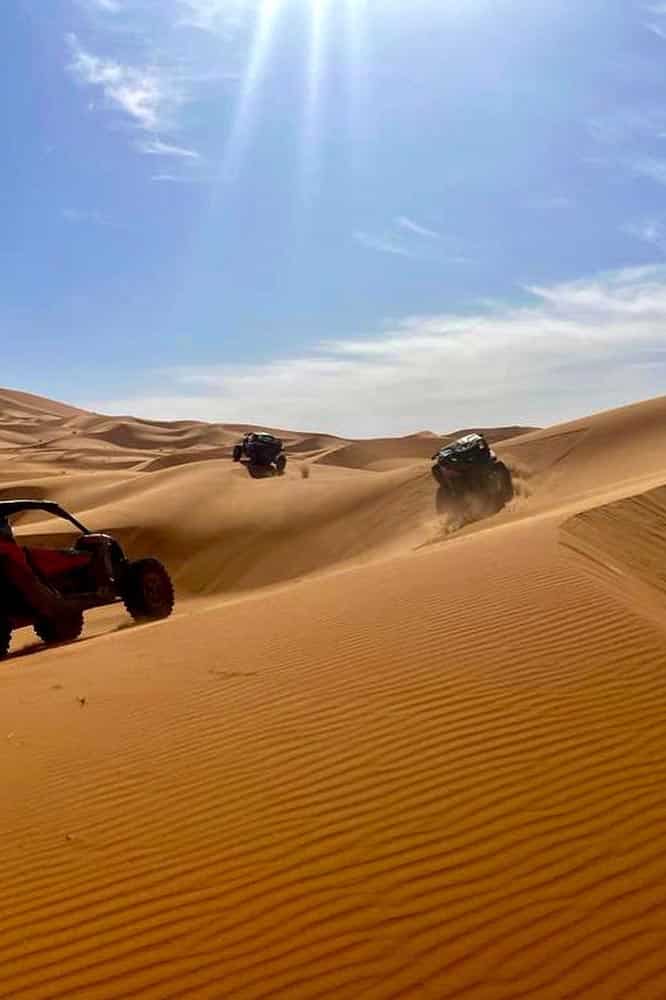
x: 469, y: 471
x: 50, y: 588
x: 261, y: 452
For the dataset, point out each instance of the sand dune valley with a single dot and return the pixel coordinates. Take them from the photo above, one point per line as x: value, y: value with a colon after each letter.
x: 369, y: 756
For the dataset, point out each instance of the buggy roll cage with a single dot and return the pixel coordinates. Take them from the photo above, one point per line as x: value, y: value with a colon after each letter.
x: 10, y: 507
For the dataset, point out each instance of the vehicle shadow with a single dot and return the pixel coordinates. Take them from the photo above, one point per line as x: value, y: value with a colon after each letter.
x: 42, y: 647
x: 36, y: 647
x: 260, y: 471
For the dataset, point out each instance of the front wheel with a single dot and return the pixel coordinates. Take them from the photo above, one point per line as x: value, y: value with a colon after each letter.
x: 237, y: 453
x: 147, y: 590
x: 66, y: 627
x: 281, y: 464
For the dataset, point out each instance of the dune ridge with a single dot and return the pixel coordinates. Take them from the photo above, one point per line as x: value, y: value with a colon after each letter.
x: 368, y: 757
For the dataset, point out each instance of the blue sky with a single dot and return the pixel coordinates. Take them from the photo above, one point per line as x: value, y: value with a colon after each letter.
x: 363, y: 216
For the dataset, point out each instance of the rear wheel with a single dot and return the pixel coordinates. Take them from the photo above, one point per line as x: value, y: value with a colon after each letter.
x: 281, y: 464
x: 448, y: 502
x: 5, y: 637
x: 147, y: 590
x: 498, y: 486
x: 507, y: 482
x: 237, y: 453
x: 65, y: 628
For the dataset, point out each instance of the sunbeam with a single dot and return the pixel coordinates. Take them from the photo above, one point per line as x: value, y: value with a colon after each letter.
x: 316, y: 70
x: 256, y: 68
x: 355, y: 15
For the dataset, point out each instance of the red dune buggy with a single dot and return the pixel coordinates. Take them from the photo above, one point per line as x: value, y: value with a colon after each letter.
x: 50, y: 589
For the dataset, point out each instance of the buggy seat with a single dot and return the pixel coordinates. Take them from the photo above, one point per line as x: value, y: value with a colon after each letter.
x: 49, y: 563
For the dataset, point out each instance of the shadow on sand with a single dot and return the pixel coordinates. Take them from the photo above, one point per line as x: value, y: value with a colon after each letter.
x: 260, y: 471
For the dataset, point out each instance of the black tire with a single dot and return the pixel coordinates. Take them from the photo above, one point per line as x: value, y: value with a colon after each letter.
x: 498, y: 486
x: 147, y: 590
x: 237, y: 453
x: 65, y: 628
x: 449, y: 503
x: 281, y: 464
x: 5, y: 638
x: 507, y: 482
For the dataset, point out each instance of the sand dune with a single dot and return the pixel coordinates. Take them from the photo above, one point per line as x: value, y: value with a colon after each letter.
x: 369, y: 757
x: 378, y: 454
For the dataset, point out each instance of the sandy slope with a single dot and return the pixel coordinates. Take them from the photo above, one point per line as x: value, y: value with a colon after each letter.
x: 374, y: 758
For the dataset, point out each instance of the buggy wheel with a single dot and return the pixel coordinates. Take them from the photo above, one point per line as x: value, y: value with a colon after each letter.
x: 65, y: 628
x: 499, y: 490
x: 281, y: 464
x: 237, y: 452
x: 5, y: 637
x: 507, y: 482
x: 447, y: 502
x: 147, y: 590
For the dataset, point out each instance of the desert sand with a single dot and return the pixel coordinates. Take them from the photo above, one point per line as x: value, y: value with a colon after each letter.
x: 369, y: 756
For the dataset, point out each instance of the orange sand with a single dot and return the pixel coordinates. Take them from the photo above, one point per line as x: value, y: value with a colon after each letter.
x: 368, y: 757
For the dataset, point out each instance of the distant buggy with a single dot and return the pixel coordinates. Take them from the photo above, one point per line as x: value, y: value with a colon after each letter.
x: 468, y: 470
x: 261, y: 451
x: 50, y: 588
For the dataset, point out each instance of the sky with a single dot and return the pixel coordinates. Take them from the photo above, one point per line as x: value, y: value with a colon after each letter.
x: 355, y: 216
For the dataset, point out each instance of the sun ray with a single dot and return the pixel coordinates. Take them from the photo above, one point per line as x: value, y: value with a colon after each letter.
x: 259, y: 56
x: 356, y: 64
x: 316, y: 71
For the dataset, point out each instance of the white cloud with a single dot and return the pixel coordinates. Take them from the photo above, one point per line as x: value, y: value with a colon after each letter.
x: 649, y: 166
x: 555, y: 201
x: 574, y: 348
x: 208, y: 15
x: 146, y: 94
x: 380, y: 244
x: 413, y: 227
x: 627, y: 125
x: 652, y: 231
x: 110, y: 6
x: 155, y: 147
x: 175, y: 179
x: 657, y: 30
x: 77, y: 217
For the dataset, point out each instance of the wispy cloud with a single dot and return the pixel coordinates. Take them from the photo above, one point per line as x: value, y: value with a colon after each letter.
x: 110, y: 6
x: 627, y: 125
x: 648, y: 166
x: 155, y: 147
x: 657, y: 10
x: 402, y: 222
x: 145, y: 94
x: 102, y: 6
x: 380, y: 244
x: 209, y: 15
x: 93, y: 218
x: 651, y: 231
x: 175, y: 179
x: 554, y: 202
x: 572, y: 349
x: 406, y: 238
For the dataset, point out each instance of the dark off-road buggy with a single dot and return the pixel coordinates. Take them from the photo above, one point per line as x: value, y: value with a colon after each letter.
x: 471, y: 478
x: 50, y: 588
x: 262, y: 453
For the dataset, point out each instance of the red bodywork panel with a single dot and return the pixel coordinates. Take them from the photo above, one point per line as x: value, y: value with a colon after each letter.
x: 13, y: 552
x: 54, y: 562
